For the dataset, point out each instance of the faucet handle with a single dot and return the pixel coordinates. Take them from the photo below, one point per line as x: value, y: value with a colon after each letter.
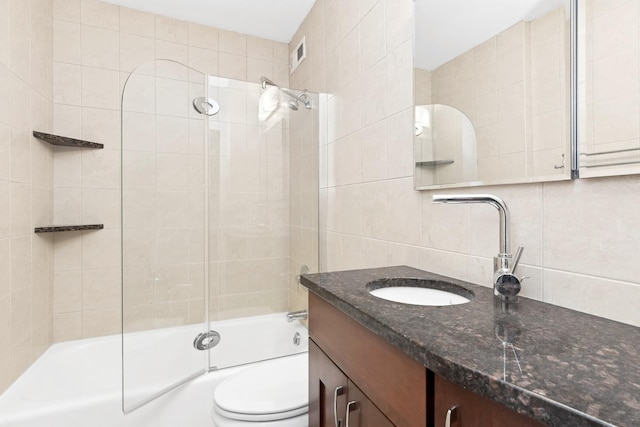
x: 516, y: 259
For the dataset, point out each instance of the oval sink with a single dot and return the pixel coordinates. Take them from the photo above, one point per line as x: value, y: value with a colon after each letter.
x: 419, y: 291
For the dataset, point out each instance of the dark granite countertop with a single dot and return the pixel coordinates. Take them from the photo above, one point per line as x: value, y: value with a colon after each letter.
x: 559, y: 366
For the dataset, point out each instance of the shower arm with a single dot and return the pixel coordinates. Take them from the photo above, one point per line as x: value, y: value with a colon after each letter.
x: 265, y: 81
x: 301, y: 98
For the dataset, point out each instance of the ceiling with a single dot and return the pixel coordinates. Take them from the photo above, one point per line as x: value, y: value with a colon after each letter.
x: 275, y: 20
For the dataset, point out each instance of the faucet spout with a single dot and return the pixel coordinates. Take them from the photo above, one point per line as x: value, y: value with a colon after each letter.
x: 492, y: 200
x: 297, y: 315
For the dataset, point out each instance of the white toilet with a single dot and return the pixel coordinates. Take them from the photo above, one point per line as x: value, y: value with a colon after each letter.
x: 270, y: 394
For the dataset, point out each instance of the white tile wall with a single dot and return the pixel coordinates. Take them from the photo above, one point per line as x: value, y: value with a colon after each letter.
x: 95, y: 47
x: 26, y: 262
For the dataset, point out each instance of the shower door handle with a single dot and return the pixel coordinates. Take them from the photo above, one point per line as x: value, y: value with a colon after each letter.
x: 206, y: 340
x: 339, y: 391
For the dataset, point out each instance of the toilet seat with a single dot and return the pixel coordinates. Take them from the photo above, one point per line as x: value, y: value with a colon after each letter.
x: 270, y: 391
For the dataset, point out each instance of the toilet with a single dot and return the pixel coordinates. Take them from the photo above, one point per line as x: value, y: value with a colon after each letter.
x: 269, y: 394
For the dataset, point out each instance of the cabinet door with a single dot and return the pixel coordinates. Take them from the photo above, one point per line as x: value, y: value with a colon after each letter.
x: 473, y: 410
x: 327, y: 390
x: 362, y: 412
x: 332, y: 394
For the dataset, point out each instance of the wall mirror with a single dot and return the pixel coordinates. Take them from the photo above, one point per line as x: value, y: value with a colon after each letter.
x: 608, y: 85
x: 491, y: 92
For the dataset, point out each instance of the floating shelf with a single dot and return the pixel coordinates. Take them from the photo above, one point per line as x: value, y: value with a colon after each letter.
x: 431, y: 163
x: 60, y: 228
x: 63, y: 141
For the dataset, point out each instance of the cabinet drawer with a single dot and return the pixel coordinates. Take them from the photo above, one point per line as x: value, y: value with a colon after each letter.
x: 473, y: 410
x: 393, y: 381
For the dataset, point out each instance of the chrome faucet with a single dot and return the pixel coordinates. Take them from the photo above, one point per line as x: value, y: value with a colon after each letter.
x: 506, y: 285
x: 296, y: 315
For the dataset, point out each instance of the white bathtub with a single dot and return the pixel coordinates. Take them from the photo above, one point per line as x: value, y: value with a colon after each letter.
x: 79, y: 383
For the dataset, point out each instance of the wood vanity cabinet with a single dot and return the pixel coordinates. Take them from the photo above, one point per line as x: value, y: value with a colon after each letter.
x: 389, y: 386
x: 473, y: 410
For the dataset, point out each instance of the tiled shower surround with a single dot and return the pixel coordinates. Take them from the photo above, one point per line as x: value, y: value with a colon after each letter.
x: 26, y: 180
x: 96, y: 46
x: 63, y: 64
x: 580, y: 245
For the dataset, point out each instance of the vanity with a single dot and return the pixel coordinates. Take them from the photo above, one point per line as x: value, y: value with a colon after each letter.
x: 380, y: 363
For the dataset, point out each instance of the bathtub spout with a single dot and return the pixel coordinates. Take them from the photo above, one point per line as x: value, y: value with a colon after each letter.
x: 296, y: 315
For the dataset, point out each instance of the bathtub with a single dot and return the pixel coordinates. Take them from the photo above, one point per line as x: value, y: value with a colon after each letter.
x: 79, y: 383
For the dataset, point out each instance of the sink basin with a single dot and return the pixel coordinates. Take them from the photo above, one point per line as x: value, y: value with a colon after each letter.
x: 419, y: 291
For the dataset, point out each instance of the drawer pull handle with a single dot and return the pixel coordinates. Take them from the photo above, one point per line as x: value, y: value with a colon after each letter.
x: 450, y: 414
x: 350, y: 406
x: 337, y: 392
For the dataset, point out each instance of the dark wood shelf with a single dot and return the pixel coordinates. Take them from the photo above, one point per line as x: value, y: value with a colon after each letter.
x: 431, y: 163
x: 61, y: 228
x: 63, y: 141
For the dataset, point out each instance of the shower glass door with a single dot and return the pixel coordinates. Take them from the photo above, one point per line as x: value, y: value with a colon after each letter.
x: 219, y: 213
x: 262, y: 169
x: 164, y: 224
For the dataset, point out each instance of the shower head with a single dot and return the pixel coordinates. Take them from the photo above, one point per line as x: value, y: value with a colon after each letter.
x: 293, y: 104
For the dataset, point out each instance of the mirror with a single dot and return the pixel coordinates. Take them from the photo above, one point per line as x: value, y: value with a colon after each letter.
x: 491, y: 92
x: 608, y: 81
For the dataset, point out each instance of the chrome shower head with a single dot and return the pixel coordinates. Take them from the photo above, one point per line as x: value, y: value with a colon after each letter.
x: 293, y: 104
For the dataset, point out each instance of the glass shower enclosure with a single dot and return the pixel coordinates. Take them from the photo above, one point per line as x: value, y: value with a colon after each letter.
x: 210, y: 215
